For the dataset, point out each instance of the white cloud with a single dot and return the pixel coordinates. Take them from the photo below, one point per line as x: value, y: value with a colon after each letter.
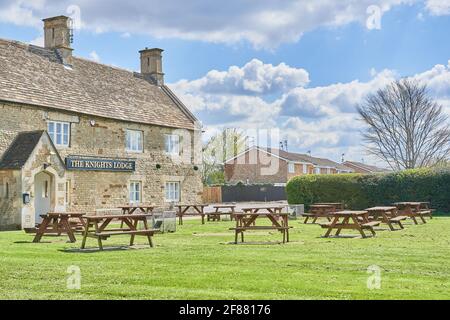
x: 39, y: 41
x: 253, y: 78
x: 321, y: 119
x: 438, y: 7
x: 265, y: 23
x: 94, y: 56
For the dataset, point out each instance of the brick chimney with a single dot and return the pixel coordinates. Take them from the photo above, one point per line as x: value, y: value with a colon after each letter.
x: 57, y: 34
x: 151, y: 64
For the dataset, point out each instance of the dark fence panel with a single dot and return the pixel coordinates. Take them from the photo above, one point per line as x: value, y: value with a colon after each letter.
x: 244, y: 193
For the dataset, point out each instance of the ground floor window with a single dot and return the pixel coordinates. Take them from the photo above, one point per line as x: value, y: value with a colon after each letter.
x: 68, y: 185
x: 172, y: 191
x: 135, y: 192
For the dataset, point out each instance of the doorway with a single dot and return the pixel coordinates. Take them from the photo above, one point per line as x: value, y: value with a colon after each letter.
x: 43, y: 194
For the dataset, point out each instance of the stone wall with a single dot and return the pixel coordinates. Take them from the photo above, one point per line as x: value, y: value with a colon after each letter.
x: 100, y: 137
x: 10, y: 199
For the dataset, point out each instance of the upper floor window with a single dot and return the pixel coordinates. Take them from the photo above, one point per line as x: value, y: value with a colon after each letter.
x: 59, y: 132
x: 134, y: 141
x: 291, y: 167
x: 172, y: 142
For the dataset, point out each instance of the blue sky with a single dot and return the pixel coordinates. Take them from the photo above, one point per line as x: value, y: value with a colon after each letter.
x: 296, y: 66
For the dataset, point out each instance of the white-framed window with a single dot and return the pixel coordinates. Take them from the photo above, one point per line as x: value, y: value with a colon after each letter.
x: 305, y: 169
x: 135, y: 192
x: 317, y: 170
x: 172, y: 191
x: 172, y: 143
x: 134, y: 141
x: 328, y: 170
x: 59, y: 132
x: 291, y: 167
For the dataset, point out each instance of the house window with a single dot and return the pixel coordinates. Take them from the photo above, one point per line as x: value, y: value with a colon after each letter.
x: 59, y: 132
x: 328, y: 170
x: 291, y: 167
x: 317, y: 170
x: 134, y: 141
x: 172, y: 191
x: 172, y: 142
x: 7, y: 191
x: 68, y: 185
x: 305, y: 169
x: 135, y: 192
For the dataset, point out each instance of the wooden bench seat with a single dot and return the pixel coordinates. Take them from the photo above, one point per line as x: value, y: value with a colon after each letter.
x: 370, y: 224
x: 130, y: 232
x: 260, y: 228
x: 399, y: 218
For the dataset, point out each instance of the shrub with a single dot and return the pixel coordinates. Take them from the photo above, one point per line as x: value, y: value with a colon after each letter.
x: 360, y: 191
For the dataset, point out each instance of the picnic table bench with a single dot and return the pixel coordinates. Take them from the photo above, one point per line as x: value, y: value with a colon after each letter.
x: 219, y: 211
x: 412, y: 210
x: 57, y: 223
x: 246, y: 221
x: 320, y: 211
x: 132, y: 208
x: 338, y: 205
x: 350, y: 220
x: 198, y: 210
x: 388, y: 215
x: 101, y: 231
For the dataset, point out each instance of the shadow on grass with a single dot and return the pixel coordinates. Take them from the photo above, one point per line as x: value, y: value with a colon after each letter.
x: 347, y: 236
x: 255, y: 243
x: 105, y: 249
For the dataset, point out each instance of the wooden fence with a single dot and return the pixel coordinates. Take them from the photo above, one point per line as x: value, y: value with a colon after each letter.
x: 212, y: 195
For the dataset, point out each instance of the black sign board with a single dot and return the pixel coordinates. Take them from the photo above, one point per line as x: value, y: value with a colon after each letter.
x: 95, y: 164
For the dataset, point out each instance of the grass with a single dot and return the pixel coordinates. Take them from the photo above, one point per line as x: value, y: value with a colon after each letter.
x: 198, y: 262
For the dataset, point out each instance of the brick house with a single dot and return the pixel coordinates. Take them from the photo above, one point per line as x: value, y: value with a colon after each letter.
x: 267, y: 165
x: 76, y: 135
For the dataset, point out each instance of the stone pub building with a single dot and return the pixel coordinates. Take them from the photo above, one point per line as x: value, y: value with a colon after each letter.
x: 76, y: 135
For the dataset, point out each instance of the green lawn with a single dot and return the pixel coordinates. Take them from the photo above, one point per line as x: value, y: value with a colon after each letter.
x: 198, y: 262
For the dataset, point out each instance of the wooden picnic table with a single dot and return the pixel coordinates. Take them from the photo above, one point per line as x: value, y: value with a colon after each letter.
x: 102, y: 232
x: 199, y: 210
x: 132, y: 208
x: 320, y: 211
x: 57, y: 223
x: 412, y: 210
x: 337, y: 205
x: 350, y: 220
x: 247, y: 222
x: 219, y: 211
x: 388, y: 215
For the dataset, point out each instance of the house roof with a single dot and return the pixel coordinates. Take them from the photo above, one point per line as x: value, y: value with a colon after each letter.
x: 36, y: 76
x: 366, y: 167
x: 303, y: 158
x: 20, y: 150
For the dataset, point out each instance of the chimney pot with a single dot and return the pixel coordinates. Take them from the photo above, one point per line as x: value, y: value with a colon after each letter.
x: 57, y: 34
x: 151, y: 64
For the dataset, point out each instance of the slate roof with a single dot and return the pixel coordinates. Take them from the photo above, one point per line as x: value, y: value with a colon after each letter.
x: 37, y: 76
x: 366, y: 167
x: 20, y: 150
x: 298, y: 157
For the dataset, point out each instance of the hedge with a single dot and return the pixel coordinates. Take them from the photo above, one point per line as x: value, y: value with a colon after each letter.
x: 360, y: 191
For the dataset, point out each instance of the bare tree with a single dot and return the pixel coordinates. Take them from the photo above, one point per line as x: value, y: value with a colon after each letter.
x: 407, y: 129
